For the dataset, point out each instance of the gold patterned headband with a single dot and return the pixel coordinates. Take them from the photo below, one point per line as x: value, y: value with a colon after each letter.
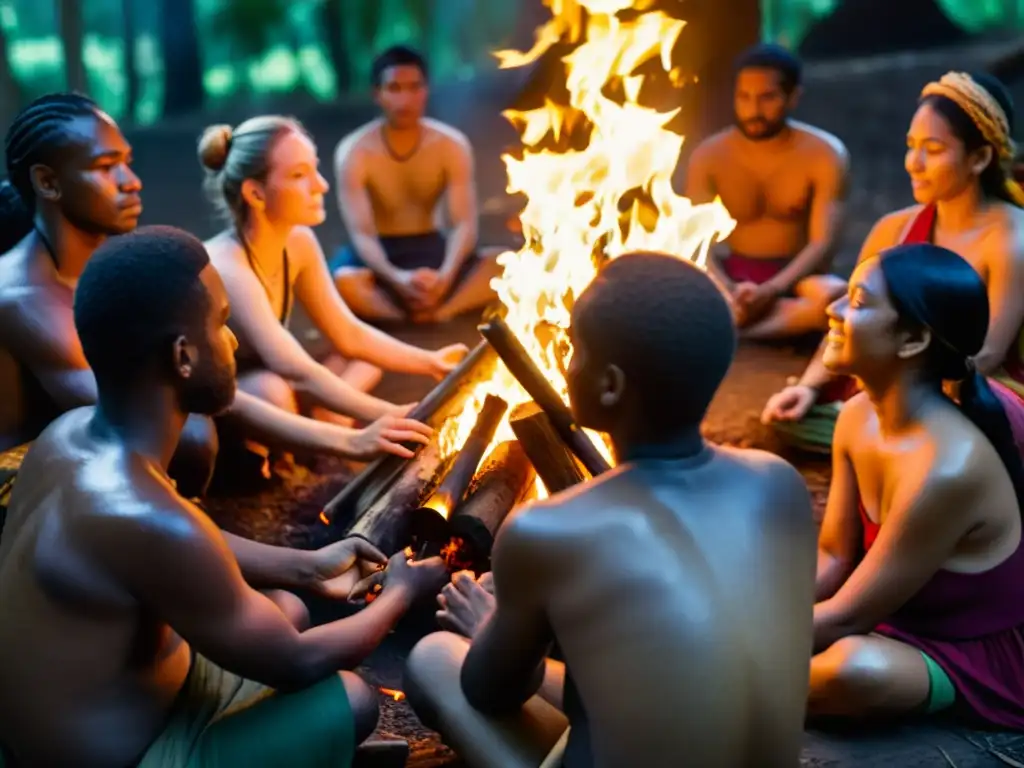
x: 989, y: 117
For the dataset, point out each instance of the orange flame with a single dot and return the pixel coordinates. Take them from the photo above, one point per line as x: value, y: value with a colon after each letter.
x: 396, y: 695
x: 572, y: 221
x: 323, y: 518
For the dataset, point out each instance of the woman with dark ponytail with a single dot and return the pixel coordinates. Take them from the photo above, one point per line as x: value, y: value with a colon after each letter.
x: 920, y: 586
x: 960, y: 153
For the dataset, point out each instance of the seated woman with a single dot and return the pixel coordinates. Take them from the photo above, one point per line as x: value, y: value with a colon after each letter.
x: 959, y: 159
x: 920, y: 581
x: 264, y: 178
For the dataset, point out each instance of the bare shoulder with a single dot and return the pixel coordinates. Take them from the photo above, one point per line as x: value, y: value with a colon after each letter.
x: 821, y: 143
x: 304, y: 245
x: 448, y: 135
x: 766, y: 471
x: 14, y: 272
x: 356, y: 144
x: 715, y: 147
x: 1010, y: 232
x: 889, y: 230
x: 226, y: 254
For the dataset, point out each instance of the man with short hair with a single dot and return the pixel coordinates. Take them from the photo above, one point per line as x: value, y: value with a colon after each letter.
x: 685, y: 574
x: 392, y: 176
x: 784, y: 182
x: 137, y: 639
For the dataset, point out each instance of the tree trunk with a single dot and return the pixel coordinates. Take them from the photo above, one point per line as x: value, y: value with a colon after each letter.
x: 10, y: 89
x: 131, y: 77
x: 71, y: 33
x: 183, y: 70
x: 333, y: 21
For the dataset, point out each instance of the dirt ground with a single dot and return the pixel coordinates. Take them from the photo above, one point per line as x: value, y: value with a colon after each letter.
x: 867, y: 103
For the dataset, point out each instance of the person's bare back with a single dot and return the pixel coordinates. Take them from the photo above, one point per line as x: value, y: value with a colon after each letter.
x: 680, y: 595
x: 103, y: 698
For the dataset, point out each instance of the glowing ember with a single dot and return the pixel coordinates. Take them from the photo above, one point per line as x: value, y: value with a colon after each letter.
x: 572, y: 221
x: 323, y: 518
x: 396, y: 695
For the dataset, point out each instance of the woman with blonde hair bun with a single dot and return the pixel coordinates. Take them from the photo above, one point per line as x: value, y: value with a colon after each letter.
x: 263, y: 178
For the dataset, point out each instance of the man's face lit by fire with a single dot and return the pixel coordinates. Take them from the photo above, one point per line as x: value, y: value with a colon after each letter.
x: 761, y: 104
x: 402, y: 95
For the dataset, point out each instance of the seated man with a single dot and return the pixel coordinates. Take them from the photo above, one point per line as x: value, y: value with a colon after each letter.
x: 685, y: 574
x: 137, y: 640
x: 784, y: 183
x: 391, y: 176
x: 71, y: 186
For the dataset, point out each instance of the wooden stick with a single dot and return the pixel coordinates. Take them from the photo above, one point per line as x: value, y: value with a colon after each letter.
x: 555, y: 464
x: 369, y: 484
x: 386, y: 523
x: 520, y: 365
x: 504, y: 480
x: 459, y: 475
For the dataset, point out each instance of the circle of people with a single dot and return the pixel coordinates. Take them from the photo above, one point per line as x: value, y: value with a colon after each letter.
x: 673, y: 611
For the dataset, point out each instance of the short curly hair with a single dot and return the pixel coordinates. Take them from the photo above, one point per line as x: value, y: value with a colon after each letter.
x: 138, y: 293
x: 667, y: 326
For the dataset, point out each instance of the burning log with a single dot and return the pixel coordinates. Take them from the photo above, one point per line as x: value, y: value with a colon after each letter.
x: 451, y: 490
x: 386, y: 523
x: 557, y: 467
x: 519, y: 364
x: 503, y: 481
x: 377, y: 477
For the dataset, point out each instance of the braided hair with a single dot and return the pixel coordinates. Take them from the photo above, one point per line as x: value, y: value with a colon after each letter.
x: 35, y: 136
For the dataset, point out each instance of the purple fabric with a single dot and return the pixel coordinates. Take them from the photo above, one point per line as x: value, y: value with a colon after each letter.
x: 971, y: 625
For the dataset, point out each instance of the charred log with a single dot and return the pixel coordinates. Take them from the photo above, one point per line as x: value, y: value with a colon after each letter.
x: 520, y: 365
x: 378, y: 476
x: 460, y: 474
x: 557, y: 467
x: 386, y: 523
x: 503, y: 481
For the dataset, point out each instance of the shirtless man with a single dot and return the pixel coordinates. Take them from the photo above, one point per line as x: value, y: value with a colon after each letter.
x: 138, y: 641
x: 785, y: 184
x: 70, y: 187
x: 391, y: 176
x: 685, y: 563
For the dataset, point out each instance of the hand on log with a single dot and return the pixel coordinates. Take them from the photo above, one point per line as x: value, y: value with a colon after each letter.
x: 417, y: 579
x: 338, y: 567
x: 387, y: 435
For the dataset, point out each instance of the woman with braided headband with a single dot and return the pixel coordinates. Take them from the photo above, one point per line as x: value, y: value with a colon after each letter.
x: 920, y: 580
x: 959, y: 159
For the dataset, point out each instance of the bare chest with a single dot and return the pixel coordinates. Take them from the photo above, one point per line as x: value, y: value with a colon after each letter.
x: 398, y: 187
x: 781, y: 189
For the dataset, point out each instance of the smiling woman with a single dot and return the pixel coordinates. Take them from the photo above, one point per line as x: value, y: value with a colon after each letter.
x: 959, y: 160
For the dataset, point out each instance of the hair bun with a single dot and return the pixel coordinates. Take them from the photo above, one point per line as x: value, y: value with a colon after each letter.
x: 214, y: 146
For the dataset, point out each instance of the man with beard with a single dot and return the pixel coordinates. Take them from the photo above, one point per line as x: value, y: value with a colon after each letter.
x: 685, y: 573
x: 392, y: 176
x: 137, y: 640
x: 70, y: 186
x: 784, y: 182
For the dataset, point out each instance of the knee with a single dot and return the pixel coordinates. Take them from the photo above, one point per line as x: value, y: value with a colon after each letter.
x: 271, y: 388
x: 851, y: 672
x: 195, y: 457
x: 824, y: 289
x: 364, y: 703
x: 432, y: 673
x: 292, y: 607
x: 353, y: 278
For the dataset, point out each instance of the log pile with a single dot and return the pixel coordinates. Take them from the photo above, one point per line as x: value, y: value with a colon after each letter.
x: 454, y: 506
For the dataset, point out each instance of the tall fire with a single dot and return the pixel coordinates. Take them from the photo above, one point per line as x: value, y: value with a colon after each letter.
x: 575, y: 217
x: 596, y: 173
